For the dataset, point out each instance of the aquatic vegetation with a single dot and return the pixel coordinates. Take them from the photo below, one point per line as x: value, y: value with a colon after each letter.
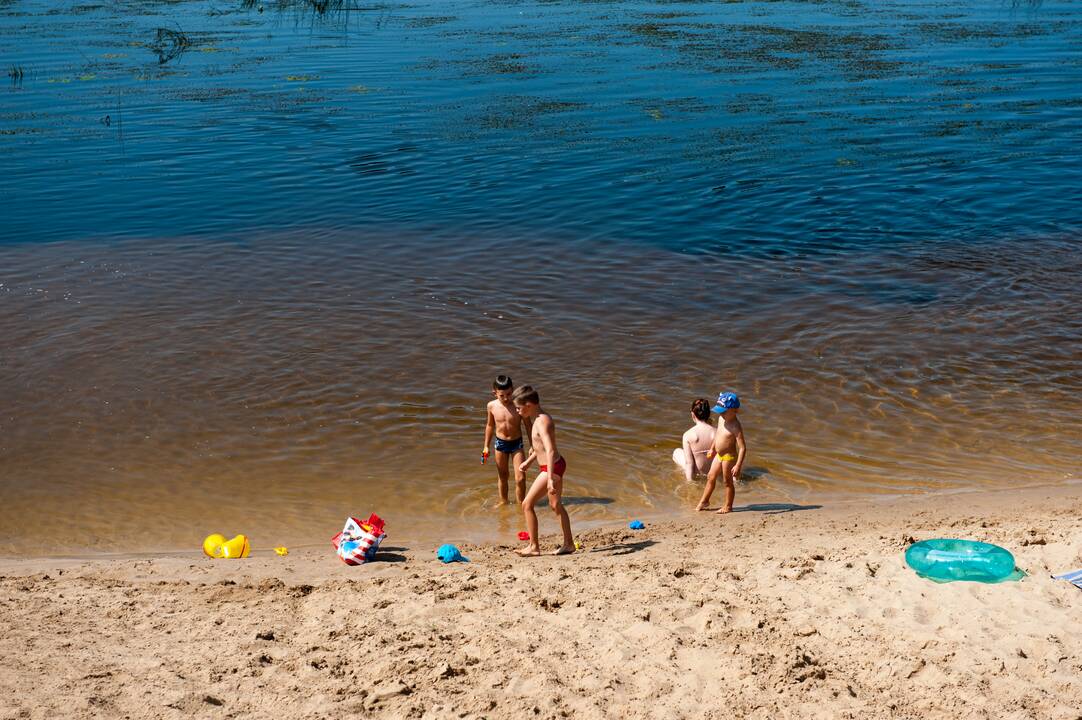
x: 518, y: 111
x: 662, y: 108
x: 319, y: 8
x: 654, y: 31
x: 169, y: 44
x: 211, y: 94
x: 958, y: 32
x: 432, y: 21
x: 504, y: 64
x: 759, y: 103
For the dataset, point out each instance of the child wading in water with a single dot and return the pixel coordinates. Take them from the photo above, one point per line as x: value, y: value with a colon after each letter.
x: 697, y: 444
x: 506, y: 424
x: 553, y: 468
x: 728, y: 438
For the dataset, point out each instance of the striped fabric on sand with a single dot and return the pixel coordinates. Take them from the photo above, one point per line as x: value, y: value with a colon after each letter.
x: 1074, y: 577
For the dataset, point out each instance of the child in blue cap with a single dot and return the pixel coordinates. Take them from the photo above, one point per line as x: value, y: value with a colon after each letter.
x: 729, y: 450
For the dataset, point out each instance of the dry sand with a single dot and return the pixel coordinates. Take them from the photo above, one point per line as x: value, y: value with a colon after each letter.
x: 762, y: 614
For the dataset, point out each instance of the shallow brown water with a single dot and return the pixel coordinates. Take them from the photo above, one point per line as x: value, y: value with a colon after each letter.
x: 157, y: 391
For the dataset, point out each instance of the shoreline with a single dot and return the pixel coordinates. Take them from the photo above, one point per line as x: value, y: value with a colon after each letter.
x: 809, y: 613
x: 835, y: 501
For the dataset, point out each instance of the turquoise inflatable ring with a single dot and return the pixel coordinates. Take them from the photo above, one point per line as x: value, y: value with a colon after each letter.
x: 945, y: 560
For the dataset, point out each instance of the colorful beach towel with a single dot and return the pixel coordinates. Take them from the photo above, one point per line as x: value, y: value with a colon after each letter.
x: 1074, y: 577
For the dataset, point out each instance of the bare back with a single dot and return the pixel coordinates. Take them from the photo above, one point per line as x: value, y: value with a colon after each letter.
x: 699, y: 440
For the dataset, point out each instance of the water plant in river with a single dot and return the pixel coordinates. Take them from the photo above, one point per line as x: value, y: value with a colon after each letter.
x: 169, y: 44
x: 319, y: 7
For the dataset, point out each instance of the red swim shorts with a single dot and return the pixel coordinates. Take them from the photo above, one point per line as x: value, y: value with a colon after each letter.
x: 559, y: 469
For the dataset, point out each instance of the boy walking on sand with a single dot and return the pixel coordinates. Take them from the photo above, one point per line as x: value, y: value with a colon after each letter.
x: 553, y: 469
x: 505, y: 423
x: 728, y: 439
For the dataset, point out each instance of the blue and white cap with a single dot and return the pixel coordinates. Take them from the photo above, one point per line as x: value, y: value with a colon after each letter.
x: 726, y: 401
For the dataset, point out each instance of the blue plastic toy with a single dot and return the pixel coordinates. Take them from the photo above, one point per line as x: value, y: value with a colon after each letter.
x: 449, y: 554
x: 945, y: 560
x: 636, y: 525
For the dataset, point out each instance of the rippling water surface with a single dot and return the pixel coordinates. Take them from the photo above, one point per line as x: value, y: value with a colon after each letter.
x: 260, y: 261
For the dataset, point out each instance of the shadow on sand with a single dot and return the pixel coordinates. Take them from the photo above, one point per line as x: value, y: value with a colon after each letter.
x: 388, y: 557
x: 625, y: 548
x: 774, y: 508
x: 588, y: 501
x: 391, y: 554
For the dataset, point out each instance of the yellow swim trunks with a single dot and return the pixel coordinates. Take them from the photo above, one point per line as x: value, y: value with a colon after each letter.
x: 727, y: 457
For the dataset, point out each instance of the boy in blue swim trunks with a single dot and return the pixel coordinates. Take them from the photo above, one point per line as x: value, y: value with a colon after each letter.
x: 505, y: 424
x: 729, y: 450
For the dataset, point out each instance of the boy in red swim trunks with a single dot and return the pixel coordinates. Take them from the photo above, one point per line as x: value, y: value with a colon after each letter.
x: 551, y: 477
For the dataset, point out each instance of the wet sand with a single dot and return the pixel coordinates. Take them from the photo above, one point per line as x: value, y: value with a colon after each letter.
x: 772, y: 612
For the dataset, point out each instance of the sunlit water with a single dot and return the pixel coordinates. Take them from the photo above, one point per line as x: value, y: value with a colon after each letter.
x: 258, y: 270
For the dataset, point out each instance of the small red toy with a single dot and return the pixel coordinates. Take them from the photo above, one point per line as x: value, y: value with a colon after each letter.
x: 524, y: 535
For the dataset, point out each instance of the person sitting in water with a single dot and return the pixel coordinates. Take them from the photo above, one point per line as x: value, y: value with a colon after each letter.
x: 697, y: 445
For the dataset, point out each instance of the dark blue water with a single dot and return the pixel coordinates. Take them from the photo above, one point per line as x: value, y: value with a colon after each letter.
x: 690, y: 125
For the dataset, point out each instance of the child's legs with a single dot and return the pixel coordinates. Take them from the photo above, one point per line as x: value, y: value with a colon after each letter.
x: 520, y: 475
x: 711, y: 482
x: 502, y: 460
x: 539, y: 488
x: 557, y: 505
x: 730, y: 489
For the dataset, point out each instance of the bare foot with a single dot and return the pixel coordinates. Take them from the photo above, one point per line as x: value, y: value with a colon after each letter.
x: 528, y: 551
x: 564, y: 550
x: 701, y: 507
x: 725, y: 510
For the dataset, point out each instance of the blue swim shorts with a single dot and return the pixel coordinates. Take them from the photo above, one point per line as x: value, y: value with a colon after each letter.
x: 508, y: 446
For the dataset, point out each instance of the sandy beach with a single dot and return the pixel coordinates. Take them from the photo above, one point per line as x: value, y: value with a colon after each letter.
x: 776, y: 611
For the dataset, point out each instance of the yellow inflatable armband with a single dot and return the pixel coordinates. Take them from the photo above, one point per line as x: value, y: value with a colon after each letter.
x: 216, y: 546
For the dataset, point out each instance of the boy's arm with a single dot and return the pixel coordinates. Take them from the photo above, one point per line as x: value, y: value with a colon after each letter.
x: 528, y: 424
x: 689, y: 460
x: 548, y: 435
x: 490, y: 430
x: 714, y: 445
x: 741, y: 451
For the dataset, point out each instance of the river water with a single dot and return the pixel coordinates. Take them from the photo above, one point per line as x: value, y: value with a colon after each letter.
x: 259, y: 262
